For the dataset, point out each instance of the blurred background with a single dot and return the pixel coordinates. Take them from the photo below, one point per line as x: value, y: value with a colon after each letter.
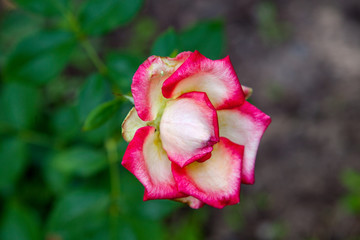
x: 64, y: 64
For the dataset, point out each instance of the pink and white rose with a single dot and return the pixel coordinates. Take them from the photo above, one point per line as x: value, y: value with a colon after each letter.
x: 192, y: 135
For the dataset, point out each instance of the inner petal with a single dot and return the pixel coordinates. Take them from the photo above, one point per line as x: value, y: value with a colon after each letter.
x: 189, y: 128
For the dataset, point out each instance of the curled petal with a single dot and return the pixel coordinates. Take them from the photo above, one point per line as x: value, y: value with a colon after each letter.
x: 216, y: 181
x: 217, y: 78
x: 247, y: 91
x: 145, y: 158
x: 244, y: 125
x: 191, y: 201
x: 131, y: 124
x: 147, y: 82
x: 189, y: 128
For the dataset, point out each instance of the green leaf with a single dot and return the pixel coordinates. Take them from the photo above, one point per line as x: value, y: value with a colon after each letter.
x: 20, y: 105
x: 83, y: 161
x: 143, y: 32
x: 101, y: 114
x: 95, y: 90
x: 57, y: 181
x: 80, y: 214
x: 111, y: 129
x: 206, y: 37
x: 44, y: 7
x: 352, y: 203
x: 40, y: 57
x: 97, y: 16
x: 13, y: 161
x: 351, y: 180
x: 165, y: 44
x: 15, y: 26
x: 19, y: 223
x: 122, y: 68
x: 65, y: 123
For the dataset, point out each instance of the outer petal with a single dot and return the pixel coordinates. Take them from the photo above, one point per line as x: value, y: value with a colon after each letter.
x: 247, y: 91
x: 244, y: 125
x: 216, y: 181
x: 191, y: 201
x: 131, y: 124
x: 189, y: 128
x: 147, y: 82
x: 145, y: 158
x: 217, y: 78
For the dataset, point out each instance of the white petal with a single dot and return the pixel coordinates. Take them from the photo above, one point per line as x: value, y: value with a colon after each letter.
x: 244, y: 125
x: 131, y: 124
x: 188, y: 128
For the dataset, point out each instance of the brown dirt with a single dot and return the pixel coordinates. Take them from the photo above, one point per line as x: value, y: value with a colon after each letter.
x: 310, y: 85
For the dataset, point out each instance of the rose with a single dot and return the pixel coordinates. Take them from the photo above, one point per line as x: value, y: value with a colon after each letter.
x: 193, y: 136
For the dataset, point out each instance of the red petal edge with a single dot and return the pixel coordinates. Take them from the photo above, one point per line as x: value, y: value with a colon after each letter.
x: 226, y: 93
x: 219, y: 186
x: 142, y: 80
x: 156, y: 185
x: 244, y: 125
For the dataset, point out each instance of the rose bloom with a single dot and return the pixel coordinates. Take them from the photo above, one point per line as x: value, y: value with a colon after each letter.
x: 192, y: 135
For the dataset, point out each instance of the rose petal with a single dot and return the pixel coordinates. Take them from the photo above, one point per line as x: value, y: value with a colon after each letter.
x: 244, y: 125
x: 247, y: 91
x: 145, y: 158
x: 216, y: 181
x: 131, y: 124
x: 147, y: 82
x: 191, y: 201
x: 189, y: 128
x: 217, y: 78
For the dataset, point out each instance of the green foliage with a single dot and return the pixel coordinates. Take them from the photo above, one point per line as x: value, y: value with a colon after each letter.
x: 143, y: 33
x: 270, y: 28
x: 19, y: 223
x: 14, y: 27
x: 79, y: 214
x: 44, y: 7
x: 94, y: 91
x: 65, y: 123
x: 193, y: 38
x: 121, y: 67
x: 206, y: 37
x: 351, y: 181
x: 58, y: 181
x: 166, y: 43
x: 101, y: 114
x: 82, y: 161
x: 40, y: 57
x: 190, y: 228
x: 20, y: 105
x: 13, y: 162
x: 97, y: 16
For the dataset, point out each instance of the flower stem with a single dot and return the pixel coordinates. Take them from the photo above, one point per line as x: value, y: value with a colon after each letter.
x: 90, y: 51
x: 83, y: 39
x: 86, y: 45
x: 111, y: 148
